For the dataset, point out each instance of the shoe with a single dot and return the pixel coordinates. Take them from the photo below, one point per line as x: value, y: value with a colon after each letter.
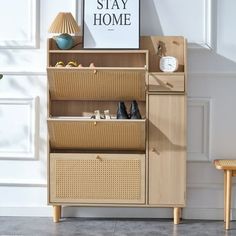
x: 96, y: 115
x: 134, y: 111
x: 72, y: 64
x: 60, y: 64
x: 121, y: 111
x: 107, y: 115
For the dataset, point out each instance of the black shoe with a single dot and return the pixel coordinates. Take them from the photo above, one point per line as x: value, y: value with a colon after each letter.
x: 134, y: 111
x: 121, y: 111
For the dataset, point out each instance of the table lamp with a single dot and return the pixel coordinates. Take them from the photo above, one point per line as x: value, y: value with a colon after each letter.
x: 65, y: 24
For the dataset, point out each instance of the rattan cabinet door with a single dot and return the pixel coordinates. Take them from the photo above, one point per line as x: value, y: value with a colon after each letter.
x: 97, y: 178
x: 96, y: 84
x: 97, y: 135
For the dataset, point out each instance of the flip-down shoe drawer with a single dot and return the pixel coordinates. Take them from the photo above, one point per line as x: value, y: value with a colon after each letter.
x: 97, y: 134
x: 97, y: 178
x: 96, y: 84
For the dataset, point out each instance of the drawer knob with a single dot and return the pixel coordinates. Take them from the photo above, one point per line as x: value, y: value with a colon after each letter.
x: 98, y: 158
x: 95, y: 123
x: 153, y: 150
x: 169, y: 85
x: 95, y: 71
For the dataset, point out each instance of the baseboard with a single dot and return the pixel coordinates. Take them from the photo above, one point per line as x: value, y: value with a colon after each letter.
x: 107, y: 212
x: 43, y: 211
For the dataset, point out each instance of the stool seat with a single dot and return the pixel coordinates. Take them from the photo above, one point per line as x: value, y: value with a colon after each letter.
x: 225, y: 164
x: 229, y: 168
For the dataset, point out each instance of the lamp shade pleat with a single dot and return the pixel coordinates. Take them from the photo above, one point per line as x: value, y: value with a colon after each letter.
x: 64, y: 23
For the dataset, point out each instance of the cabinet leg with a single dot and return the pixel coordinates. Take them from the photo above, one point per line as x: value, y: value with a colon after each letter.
x: 177, y: 211
x: 56, y: 213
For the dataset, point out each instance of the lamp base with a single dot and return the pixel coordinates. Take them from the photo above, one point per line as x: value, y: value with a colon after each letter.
x: 64, y: 41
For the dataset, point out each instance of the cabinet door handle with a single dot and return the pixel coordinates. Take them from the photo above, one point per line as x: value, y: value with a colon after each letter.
x: 155, y: 151
x: 169, y: 85
x: 94, y: 123
x: 95, y: 71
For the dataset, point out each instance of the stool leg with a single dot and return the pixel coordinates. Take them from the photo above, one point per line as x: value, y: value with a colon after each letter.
x: 225, y: 182
x: 228, y: 198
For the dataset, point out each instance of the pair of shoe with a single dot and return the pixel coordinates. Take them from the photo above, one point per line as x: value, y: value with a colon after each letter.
x: 71, y: 64
x: 98, y: 116
x: 133, y: 114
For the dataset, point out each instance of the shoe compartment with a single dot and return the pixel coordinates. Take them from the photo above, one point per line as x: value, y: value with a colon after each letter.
x: 87, y: 108
x: 89, y: 134
x: 97, y: 178
x: 96, y: 84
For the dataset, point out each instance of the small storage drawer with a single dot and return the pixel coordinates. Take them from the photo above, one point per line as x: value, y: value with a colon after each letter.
x: 97, y: 134
x: 166, y: 82
x: 97, y: 178
x: 96, y: 84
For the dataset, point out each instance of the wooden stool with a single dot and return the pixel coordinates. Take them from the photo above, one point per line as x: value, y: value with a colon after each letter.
x: 229, y: 167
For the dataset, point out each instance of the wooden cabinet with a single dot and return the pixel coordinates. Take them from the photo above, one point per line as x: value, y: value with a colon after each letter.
x: 167, y: 149
x: 112, y: 162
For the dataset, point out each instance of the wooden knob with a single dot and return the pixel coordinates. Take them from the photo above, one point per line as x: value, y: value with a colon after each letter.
x: 153, y: 150
x: 95, y: 123
x: 169, y: 84
x: 95, y: 71
x: 98, y: 157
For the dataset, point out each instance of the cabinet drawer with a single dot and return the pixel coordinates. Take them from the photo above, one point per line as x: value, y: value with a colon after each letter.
x: 157, y: 82
x: 97, y: 178
x: 97, y: 134
x: 96, y: 84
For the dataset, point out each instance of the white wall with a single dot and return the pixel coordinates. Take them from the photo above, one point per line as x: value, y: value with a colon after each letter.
x: 211, y: 114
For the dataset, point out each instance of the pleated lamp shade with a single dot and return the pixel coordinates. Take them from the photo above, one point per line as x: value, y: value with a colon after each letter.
x: 64, y: 23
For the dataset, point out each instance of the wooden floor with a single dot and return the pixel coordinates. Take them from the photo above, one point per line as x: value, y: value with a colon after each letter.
x: 39, y: 226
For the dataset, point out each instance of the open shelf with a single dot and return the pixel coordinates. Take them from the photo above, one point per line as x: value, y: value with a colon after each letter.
x: 174, y: 46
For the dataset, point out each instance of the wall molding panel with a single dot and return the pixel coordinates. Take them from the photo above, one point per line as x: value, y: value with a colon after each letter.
x: 212, y: 75
x: 23, y: 183
x: 199, y: 129
x: 207, y: 41
x: 29, y: 33
x: 25, y: 73
x: 20, y: 139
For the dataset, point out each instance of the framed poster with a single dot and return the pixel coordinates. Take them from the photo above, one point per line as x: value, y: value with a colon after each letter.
x: 111, y: 24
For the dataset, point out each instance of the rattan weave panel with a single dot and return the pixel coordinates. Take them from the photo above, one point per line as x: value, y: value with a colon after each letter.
x: 225, y: 164
x: 103, y: 180
x: 127, y: 135
x: 81, y: 84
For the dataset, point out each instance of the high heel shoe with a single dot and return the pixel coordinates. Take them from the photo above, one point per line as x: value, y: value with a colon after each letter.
x: 121, y: 111
x: 134, y: 111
